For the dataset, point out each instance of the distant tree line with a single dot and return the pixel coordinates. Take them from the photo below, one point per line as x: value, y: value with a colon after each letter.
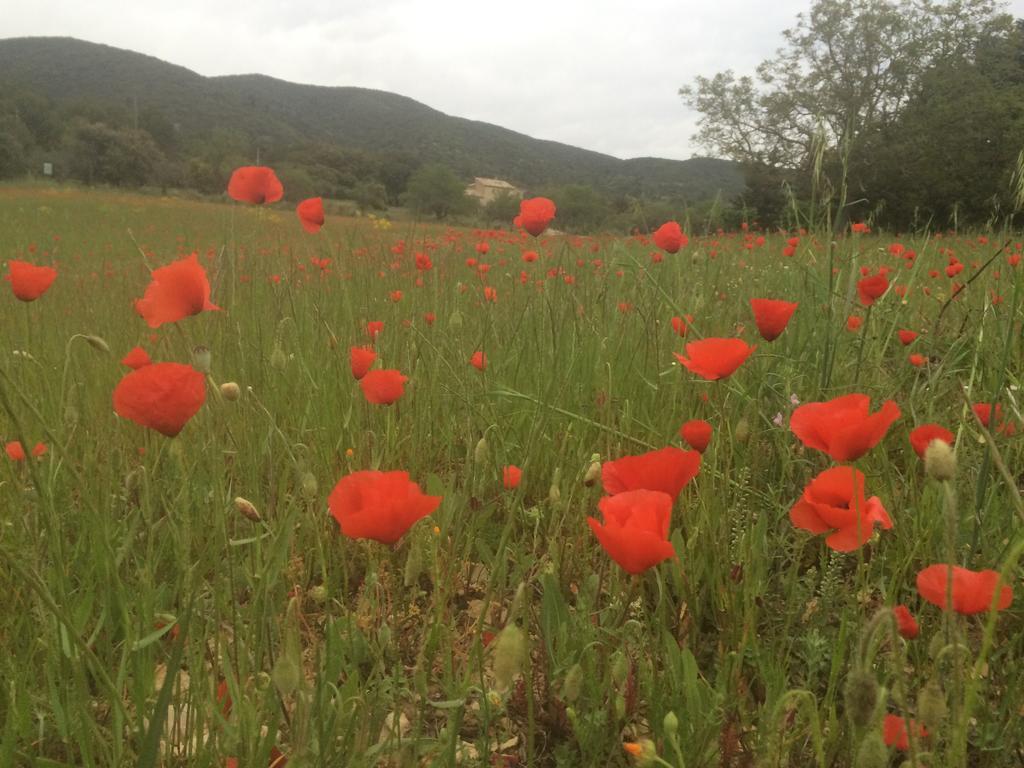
x: 95, y: 143
x: 905, y: 111
x: 99, y: 144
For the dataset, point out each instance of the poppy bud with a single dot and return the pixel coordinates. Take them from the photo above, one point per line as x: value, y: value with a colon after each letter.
x: 620, y: 706
x: 741, y: 431
x: 861, y: 696
x: 97, y: 343
x: 481, y: 452
x: 573, y: 685
x: 413, y: 565
x: 509, y: 653
x: 593, y: 474
x: 318, y: 594
x: 670, y: 724
x: 201, y: 359
x: 278, y: 359
x: 554, y: 494
x: 247, y: 509
x: 310, y: 487
x: 230, y: 391
x: 620, y: 669
x: 286, y: 674
x: 931, y: 706
x: 645, y: 751
x: 518, y: 599
x: 940, y: 460
x: 872, y: 752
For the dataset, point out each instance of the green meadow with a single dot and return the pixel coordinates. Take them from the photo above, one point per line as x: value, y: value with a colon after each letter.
x: 147, y: 620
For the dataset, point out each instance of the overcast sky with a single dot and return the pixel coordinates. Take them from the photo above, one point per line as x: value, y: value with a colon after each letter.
x: 599, y: 74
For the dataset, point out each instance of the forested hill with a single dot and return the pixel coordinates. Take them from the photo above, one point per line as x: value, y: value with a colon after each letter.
x: 179, y: 107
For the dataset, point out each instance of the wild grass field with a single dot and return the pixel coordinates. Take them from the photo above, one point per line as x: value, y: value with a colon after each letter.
x: 192, y: 601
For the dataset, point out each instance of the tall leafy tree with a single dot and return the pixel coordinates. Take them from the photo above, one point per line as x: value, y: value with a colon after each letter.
x: 844, y: 77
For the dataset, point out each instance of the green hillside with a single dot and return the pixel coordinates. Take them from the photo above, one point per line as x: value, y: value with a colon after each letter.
x: 255, y: 111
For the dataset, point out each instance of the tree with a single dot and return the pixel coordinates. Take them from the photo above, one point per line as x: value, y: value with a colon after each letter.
x: 580, y: 208
x: 99, y: 154
x: 844, y: 77
x: 501, y: 209
x: 436, y: 190
x: 12, y: 146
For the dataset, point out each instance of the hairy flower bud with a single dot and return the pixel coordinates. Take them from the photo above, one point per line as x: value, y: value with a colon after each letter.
x: 247, y: 509
x: 97, y: 342
x: 872, y: 752
x: 230, y: 391
x: 861, y: 696
x: 931, y: 706
x: 481, y: 452
x: 940, y: 460
x: 202, y: 359
x: 573, y: 685
x: 509, y: 654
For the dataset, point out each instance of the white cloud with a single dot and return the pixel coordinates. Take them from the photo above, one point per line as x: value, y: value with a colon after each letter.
x: 602, y: 74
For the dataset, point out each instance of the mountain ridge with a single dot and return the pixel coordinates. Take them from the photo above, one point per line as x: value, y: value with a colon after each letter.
x: 277, y: 113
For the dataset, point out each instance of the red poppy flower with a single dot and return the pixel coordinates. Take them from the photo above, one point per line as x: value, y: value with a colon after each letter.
x: 921, y: 437
x: 696, y: 433
x: 374, y: 328
x: 918, y: 361
x: 360, y: 360
x: 161, y: 396
x: 478, y: 360
x: 137, y: 358
x: 894, y: 731
x: 666, y: 470
x: 906, y: 624
x: 871, y: 288
x: 529, y: 256
x: 16, y: 452
x: 175, y: 292
x: 311, y: 214
x: 379, y: 505
x: 715, y: 358
x: 28, y: 281
x: 535, y: 214
x: 429, y: 318
x: 255, y: 184
x: 772, y: 316
x: 906, y: 337
x: 973, y: 591
x: 510, y: 477
x: 853, y: 322
x: 679, y: 326
x: 843, y: 428
x: 383, y: 387
x: 635, y: 529
x: 834, y: 501
x: 669, y: 237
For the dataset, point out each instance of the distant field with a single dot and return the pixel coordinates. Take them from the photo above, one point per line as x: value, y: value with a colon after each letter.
x: 150, y: 619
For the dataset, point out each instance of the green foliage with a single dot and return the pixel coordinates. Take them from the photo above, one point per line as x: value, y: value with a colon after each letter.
x: 313, y: 126
x: 889, y: 105
x: 501, y: 210
x: 436, y: 191
x: 99, y: 154
x: 133, y: 588
x: 580, y: 208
